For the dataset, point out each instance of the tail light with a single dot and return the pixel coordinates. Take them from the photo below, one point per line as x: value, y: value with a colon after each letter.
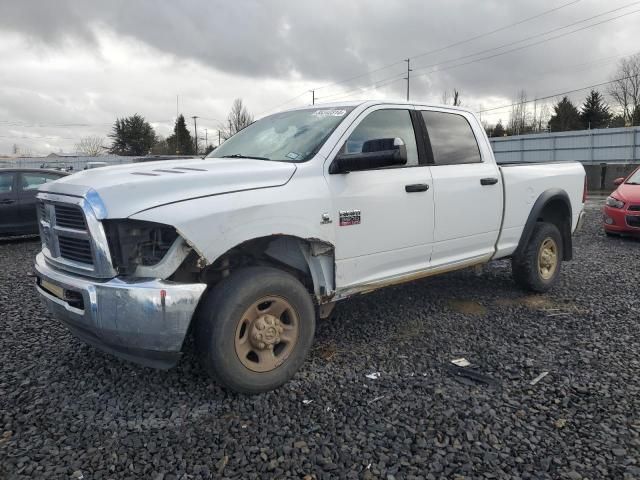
x: 584, y: 191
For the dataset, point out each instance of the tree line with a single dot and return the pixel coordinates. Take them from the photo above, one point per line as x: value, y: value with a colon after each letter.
x: 594, y: 112
x: 134, y: 136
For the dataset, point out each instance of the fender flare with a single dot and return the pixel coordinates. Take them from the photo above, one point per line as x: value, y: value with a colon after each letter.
x: 553, y: 194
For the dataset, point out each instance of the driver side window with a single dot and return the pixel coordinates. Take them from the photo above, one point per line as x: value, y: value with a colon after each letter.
x: 383, y: 125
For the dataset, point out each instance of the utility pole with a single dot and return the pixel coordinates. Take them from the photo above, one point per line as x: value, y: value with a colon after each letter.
x: 407, y: 78
x: 195, y: 127
x: 206, y: 139
x: 313, y: 97
x: 177, y: 129
x: 219, y: 142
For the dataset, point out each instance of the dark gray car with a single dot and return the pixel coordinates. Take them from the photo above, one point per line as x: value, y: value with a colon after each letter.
x: 18, y: 188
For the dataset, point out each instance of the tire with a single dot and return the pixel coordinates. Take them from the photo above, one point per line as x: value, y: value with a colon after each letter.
x: 243, y: 307
x: 531, y: 268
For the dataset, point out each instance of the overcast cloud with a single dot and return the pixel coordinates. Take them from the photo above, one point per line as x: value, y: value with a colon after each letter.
x: 69, y: 68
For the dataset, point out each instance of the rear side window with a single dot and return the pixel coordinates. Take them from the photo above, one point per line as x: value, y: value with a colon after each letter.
x: 452, y: 139
x: 31, y: 181
x: 6, y: 182
x: 380, y: 128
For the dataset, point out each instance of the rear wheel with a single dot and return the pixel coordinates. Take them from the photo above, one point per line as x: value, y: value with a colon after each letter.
x: 537, y: 267
x: 255, y: 329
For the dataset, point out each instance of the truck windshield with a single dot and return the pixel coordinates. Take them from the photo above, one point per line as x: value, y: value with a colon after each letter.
x: 293, y: 136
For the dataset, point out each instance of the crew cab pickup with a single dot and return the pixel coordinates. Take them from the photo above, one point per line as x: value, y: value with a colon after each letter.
x: 247, y: 247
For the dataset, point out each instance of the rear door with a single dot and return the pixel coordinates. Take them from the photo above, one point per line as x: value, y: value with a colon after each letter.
x: 467, y: 188
x: 9, y: 209
x: 28, y: 184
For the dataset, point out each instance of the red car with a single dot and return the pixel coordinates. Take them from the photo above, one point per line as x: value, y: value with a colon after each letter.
x: 622, y: 208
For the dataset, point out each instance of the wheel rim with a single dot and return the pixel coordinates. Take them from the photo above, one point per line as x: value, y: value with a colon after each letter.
x: 266, y: 334
x: 548, y: 258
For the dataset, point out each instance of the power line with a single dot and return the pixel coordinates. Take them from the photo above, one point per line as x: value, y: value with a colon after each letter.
x: 531, y: 37
x: 556, y: 94
x: 392, y: 78
x: 340, y: 96
x: 306, y: 92
x: 494, y: 31
x: 446, y: 47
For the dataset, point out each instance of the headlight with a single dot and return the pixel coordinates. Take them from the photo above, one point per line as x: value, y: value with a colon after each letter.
x: 135, y: 242
x: 614, y: 202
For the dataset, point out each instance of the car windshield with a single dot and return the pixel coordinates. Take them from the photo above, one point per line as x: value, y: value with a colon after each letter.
x: 634, y: 179
x: 293, y: 136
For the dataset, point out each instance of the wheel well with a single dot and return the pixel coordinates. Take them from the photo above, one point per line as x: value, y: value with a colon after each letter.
x: 557, y: 212
x: 310, y: 260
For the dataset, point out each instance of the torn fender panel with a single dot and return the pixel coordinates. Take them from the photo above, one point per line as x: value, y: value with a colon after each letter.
x: 214, y: 225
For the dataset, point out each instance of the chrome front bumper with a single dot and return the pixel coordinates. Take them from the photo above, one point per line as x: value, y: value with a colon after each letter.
x: 144, y: 321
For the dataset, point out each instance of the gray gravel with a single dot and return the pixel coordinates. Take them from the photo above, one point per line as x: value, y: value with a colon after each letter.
x: 69, y: 411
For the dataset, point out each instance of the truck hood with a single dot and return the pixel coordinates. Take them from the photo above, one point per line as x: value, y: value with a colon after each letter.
x: 131, y: 188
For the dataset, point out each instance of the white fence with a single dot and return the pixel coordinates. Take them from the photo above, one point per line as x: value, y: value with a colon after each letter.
x: 591, y: 147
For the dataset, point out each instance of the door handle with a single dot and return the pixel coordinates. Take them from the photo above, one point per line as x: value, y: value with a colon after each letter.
x: 488, y: 181
x: 6, y: 201
x: 416, y: 187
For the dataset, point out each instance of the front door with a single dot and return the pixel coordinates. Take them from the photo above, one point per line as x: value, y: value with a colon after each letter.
x: 383, y: 217
x: 467, y: 189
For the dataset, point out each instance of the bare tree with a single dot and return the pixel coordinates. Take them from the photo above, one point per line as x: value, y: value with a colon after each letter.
x: 453, y: 98
x: 91, y: 146
x: 518, y: 120
x: 625, y: 89
x: 238, y: 118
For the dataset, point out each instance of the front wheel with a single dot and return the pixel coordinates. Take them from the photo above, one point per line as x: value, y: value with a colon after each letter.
x: 255, y: 329
x: 537, y: 267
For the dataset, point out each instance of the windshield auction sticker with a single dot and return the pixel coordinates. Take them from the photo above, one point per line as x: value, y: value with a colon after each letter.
x: 329, y: 113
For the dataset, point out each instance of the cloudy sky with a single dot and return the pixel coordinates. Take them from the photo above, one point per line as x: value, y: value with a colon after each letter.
x: 69, y: 68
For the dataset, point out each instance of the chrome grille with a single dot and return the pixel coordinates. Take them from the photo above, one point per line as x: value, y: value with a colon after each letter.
x: 634, y: 208
x: 73, y: 239
x: 69, y: 216
x: 75, y: 249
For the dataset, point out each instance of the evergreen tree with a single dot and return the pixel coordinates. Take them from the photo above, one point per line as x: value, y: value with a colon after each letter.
x: 635, y: 116
x: 566, y: 117
x: 595, y: 112
x: 498, y: 130
x: 180, y: 143
x: 616, y: 121
x: 132, y: 136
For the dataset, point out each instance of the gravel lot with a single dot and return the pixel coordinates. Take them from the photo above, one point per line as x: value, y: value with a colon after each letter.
x: 67, y: 410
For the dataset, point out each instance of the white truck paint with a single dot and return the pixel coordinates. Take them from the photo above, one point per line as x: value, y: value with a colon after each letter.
x: 217, y: 204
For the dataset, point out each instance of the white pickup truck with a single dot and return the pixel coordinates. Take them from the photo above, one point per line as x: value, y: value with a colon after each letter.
x: 248, y: 246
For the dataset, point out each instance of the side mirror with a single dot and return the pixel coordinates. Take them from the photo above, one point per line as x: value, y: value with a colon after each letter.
x: 618, y: 181
x: 378, y: 153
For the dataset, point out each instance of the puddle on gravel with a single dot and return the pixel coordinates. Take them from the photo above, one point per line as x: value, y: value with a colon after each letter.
x: 541, y: 303
x: 467, y: 307
x: 534, y: 302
